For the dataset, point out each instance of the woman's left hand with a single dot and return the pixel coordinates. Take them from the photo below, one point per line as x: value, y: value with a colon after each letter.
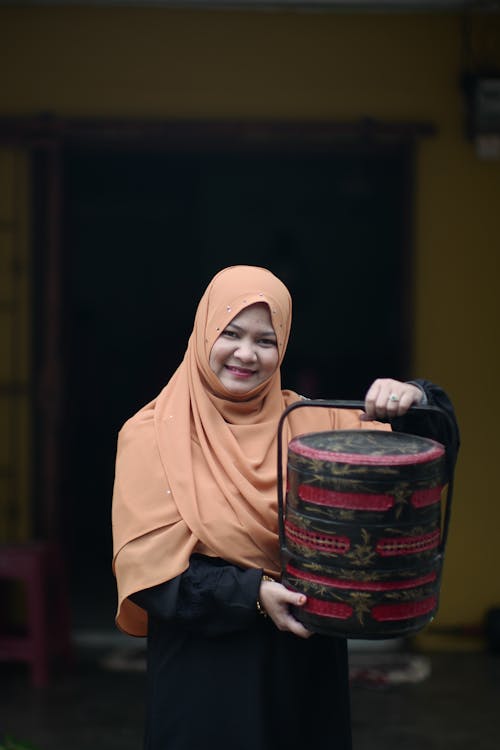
x: 387, y: 398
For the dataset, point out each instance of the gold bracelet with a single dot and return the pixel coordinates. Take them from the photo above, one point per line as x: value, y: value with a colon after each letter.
x: 260, y: 608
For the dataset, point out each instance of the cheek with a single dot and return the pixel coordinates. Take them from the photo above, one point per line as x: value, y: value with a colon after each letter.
x: 212, y: 360
x: 216, y: 355
x: 272, y: 360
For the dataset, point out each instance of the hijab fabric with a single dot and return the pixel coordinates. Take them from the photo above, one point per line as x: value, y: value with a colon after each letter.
x: 196, y: 467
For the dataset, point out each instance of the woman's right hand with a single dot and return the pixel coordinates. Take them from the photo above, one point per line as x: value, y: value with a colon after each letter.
x: 276, y: 600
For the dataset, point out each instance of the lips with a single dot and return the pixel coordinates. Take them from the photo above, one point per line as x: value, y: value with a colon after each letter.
x: 241, y: 372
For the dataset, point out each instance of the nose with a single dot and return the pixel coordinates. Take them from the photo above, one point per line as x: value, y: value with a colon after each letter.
x: 245, y: 351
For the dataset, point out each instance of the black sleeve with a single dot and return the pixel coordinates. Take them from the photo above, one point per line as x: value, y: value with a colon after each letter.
x: 211, y: 597
x: 431, y: 424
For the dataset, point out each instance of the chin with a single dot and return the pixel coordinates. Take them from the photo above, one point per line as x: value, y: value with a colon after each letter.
x: 239, y: 388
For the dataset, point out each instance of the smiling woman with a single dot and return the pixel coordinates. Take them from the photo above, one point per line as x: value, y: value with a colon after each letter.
x: 246, y: 353
x: 195, y: 529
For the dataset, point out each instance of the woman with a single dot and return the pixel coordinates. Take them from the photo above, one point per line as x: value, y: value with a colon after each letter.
x: 195, y: 533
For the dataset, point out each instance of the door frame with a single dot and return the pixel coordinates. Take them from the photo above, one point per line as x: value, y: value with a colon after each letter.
x: 46, y: 138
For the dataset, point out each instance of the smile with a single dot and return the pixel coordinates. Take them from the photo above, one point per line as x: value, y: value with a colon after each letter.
x: 240, y: 372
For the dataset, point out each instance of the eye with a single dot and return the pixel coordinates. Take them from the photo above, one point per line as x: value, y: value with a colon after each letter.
x: 229, y: 334
x: 267, y: 342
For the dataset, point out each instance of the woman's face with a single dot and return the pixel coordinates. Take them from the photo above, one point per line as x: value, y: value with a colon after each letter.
x: 246, y: 352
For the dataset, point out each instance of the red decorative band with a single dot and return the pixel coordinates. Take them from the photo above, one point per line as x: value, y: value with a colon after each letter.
x: 405, y: 611
x: 368, y: 459
x: 335, y: 610
x: 341, y: 583
x: 425, y: 497
x: 408, y: 545
x: 347, y: 500
x: 328, y: 543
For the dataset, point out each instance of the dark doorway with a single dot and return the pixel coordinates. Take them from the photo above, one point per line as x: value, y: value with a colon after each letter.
x: 145, y: 232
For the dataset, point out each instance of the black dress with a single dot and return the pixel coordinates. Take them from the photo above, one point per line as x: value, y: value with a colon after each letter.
x: 222, y: 676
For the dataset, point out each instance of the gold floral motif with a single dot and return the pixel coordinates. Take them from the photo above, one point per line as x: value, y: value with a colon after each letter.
x: 315, y: 567
x: 321, y: 590
x: 347, y: 515
x: 348, y: 574
x: 414, y: 531
x: 304, y: 551
x: 361, y: 603
x: 407, y: 595
x: 311, y: 587
x: 362, y: 576
x: 402, y: 494
x: 362, y: 554
x: 313, y: 525
x: 302, y: 522
x: 319, y: 471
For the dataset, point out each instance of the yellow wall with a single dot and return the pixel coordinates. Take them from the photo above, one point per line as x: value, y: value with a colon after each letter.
x: 189, y: 64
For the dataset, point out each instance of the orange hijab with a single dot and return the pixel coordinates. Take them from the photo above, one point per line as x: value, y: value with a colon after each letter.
x: 196, y: 468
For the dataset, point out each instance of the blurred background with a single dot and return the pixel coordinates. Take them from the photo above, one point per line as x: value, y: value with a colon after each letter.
x: 352, y: 148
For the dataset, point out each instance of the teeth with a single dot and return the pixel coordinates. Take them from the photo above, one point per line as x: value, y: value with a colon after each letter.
x: 240, y: 369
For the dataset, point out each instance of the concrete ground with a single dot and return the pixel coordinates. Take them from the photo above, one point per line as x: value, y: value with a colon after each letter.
x: 437, y: 701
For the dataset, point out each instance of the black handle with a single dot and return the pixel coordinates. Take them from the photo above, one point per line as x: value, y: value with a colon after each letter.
x: 328, y: 404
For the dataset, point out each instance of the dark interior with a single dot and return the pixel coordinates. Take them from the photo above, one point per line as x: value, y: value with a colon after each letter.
x: 144, y: 233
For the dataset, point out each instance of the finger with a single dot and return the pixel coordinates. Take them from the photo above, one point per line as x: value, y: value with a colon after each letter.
x: 393, y: 404
x: 386, y: 404
x: 411, y: 395
x: 371, y: 398
x: 290, y: 624
x: 394, y: 398
x: 293, y: 598
x: 300, y: 630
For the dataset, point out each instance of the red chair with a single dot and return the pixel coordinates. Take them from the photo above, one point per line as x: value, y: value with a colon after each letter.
x: 39, y: 567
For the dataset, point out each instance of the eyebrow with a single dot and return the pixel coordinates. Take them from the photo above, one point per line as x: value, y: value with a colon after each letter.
x: 268, y: 332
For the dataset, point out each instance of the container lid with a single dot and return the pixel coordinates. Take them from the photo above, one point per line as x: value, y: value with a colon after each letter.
x: 370, y: 447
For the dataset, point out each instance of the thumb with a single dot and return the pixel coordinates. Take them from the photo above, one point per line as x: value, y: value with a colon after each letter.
x: 297, y: 599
